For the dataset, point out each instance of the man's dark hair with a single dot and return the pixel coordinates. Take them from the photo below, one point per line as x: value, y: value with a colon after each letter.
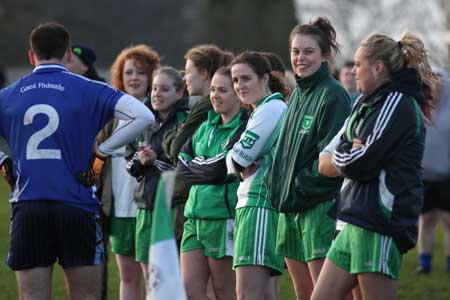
x: 49, y: 40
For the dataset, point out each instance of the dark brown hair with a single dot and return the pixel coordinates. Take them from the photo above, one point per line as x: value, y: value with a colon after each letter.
x: 49, y: 40
x: 322, y: 31
x: 261, y: 66
x: 275, y: 62
x: 209, y: 57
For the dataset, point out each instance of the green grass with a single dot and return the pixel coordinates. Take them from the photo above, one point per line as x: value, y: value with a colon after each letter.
x: 434, y: 286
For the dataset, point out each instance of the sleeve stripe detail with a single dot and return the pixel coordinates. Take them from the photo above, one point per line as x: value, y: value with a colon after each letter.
x: 343, y: 159
x: 202, y: 161
x: 163, y: 166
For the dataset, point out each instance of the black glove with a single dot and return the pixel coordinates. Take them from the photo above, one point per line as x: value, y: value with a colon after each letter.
x: 7, y: 171
x: 90, y: 177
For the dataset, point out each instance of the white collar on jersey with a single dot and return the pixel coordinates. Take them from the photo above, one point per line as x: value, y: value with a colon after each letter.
x: 47, y: 66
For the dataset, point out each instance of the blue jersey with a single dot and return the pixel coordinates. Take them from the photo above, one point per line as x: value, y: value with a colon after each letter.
x: 50, y: 119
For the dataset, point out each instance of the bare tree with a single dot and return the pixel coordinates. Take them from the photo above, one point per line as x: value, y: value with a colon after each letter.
x: 445, y: 8
x: 356, y: 19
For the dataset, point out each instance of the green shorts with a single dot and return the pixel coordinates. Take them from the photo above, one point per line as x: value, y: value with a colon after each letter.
x: 254, y: 239
x: 143, y: 234
x: 307, y: 235
x: 358, y: 250
x: 122, y: 236
x: 214, y: 237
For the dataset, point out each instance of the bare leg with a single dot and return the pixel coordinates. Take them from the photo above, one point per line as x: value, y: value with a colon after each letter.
x: 427, y: 225
x: 144, y: 268
x: 130, y: 277
x: 314, y: 267
x: 250, y: 282
x: 210, y: 289
x: 356, y: 293
x: 333, y: 282
x: 272, y: 289
x: 444, y: 217
x: 35, y: 284
x: 84, y: 283
x: 195, y: 272
x: 223, y: 278
x: 377, y: 286
x: 301, y: 279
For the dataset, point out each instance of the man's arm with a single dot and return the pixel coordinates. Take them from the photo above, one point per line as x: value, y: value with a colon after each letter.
x: 137, y: 117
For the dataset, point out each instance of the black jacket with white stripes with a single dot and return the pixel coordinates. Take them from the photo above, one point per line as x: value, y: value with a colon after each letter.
x: 382, y: 190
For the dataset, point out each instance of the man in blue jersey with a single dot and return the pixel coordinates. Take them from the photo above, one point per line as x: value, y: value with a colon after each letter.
x: 50, y: 119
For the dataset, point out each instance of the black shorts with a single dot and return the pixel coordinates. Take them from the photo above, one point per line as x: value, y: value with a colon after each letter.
x: 436, y: 196
x: 43, y: 232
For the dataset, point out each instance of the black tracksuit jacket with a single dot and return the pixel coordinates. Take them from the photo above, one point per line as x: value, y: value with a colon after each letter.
x: 383, y: 191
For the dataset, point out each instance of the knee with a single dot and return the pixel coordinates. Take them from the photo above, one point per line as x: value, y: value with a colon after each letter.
x: 130, y: 275
x: 194, y: 288
x: 315, y: 295
x: 194, y: 292
x: 303, y: 296
x: 224, y: 292
x: 429, y: 222
x: 249, y: 294
x: 303, y: 291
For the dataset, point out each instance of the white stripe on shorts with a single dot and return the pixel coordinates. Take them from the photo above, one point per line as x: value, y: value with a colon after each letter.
x: 260, y: 236
x: 388, y: 250
x: 255, y: 246
x: 386, y: 244
x: 266, y: 212
x: 381, y: 258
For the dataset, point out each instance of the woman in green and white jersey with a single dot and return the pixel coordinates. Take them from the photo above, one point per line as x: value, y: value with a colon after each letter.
x: 256, y: 220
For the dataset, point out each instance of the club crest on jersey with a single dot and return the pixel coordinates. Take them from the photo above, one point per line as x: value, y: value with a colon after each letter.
x: 306, y: 124
x: 249, y: 140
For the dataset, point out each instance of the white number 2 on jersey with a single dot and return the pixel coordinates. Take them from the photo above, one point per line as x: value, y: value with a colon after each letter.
x: 53, y: 122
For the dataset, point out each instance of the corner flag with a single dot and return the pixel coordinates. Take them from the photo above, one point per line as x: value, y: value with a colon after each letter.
x: 164, y: 267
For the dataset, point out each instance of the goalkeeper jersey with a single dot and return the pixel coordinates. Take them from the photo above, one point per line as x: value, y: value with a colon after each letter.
x: 50, y: 119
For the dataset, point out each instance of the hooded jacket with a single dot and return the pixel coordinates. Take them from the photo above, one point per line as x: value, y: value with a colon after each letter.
x: 382, y: 191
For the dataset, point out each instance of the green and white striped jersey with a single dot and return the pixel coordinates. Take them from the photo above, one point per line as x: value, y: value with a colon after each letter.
x: 257, y: 143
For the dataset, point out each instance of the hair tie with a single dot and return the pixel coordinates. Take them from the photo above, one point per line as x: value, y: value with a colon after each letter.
x: 400, y: 45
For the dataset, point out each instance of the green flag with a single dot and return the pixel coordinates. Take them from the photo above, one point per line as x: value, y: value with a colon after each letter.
x: 164, y: 267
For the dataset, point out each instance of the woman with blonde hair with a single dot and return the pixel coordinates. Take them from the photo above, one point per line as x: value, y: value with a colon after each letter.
x: 379, y: 152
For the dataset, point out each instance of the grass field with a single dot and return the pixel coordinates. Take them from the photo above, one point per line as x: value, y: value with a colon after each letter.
x: 435, y: 286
